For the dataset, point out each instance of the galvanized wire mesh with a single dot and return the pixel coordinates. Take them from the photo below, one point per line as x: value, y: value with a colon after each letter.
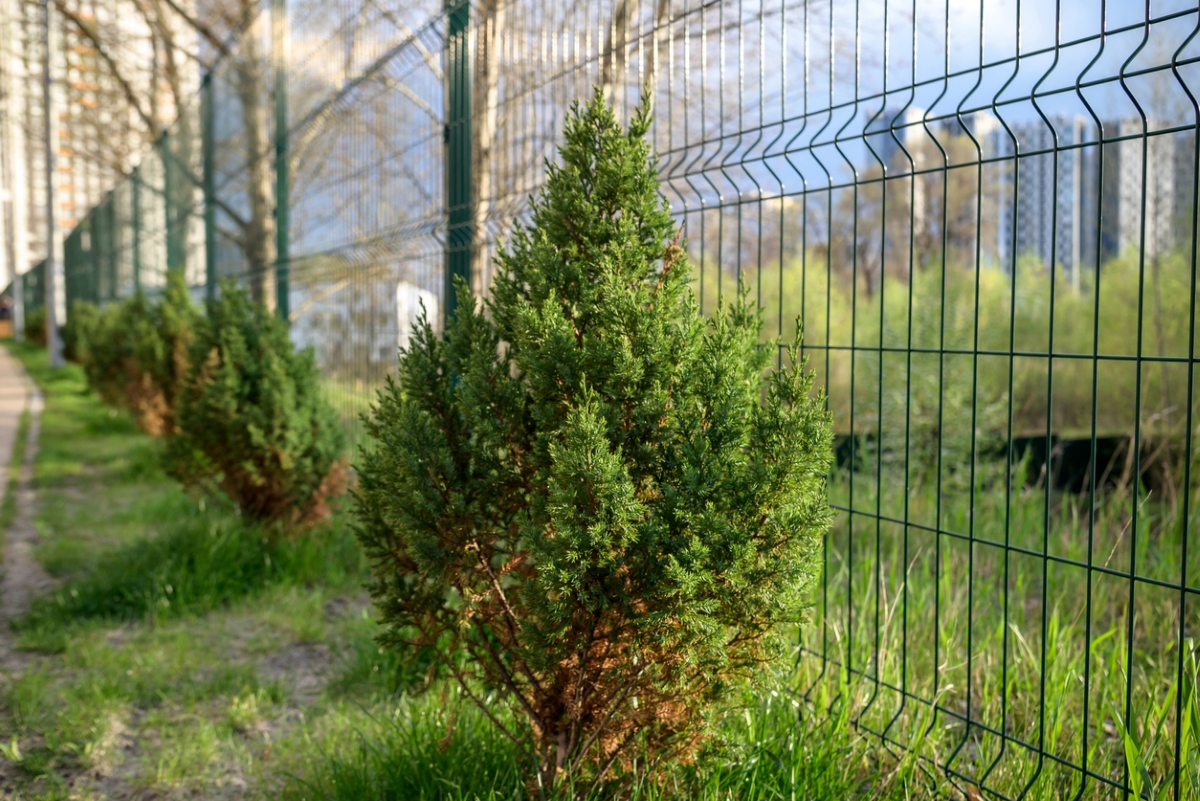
x: 984, y: 212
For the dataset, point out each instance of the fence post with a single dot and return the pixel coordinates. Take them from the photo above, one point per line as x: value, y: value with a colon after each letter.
x: 459, y: 222
x: 164, y: 154
x: 210, y: 209
x: 136, y: 220
x: 53, y: 343
x: 282, y: 183
x: 93, y: 230
x: 111, y: 241
x: 18, y: 305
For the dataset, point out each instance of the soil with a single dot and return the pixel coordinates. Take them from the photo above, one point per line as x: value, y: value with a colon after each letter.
x: 23, y: 577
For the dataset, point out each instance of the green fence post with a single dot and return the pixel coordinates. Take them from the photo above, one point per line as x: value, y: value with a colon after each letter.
x: 166, y: 195
x: 174, y: 247
x: 93, y: 256
x: 111, y: 237
x: 18, y: 306
x: 459, y: 222
x: 210, y: 209
x: 73, y: 272
x: 282, y: 183
x: 135, y: 215
x: 68, y: 269
x: 94, y: 252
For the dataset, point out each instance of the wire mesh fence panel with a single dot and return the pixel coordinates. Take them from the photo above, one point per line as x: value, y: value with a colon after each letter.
x: 367, y: 207
x: 981, y: 212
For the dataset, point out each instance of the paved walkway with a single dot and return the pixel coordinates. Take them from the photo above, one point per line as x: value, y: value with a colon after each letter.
x: 21, y: 577
x: 15, y: 394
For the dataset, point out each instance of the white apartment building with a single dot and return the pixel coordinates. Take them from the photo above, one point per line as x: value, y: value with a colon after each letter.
x: 97, y: 137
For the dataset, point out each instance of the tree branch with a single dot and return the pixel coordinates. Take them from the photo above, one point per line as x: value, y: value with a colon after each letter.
x: 200, y: 28
x: 429, y: 57
x: 506, y: 675
x: 130, y: 95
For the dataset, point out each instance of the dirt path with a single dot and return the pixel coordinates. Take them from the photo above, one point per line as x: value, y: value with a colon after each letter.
x: 21, y: 577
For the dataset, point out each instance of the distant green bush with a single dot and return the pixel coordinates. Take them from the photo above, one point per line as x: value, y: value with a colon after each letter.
x: 79, y: 330
x: 135, y: 352
x: 109, y: 362
x: 251, y: 421
x: 35, y: 326
x: 940, y: 390
x: 160, y: 356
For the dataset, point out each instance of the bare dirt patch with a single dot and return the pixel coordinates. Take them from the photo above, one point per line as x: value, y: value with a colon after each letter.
x: 23, y: 577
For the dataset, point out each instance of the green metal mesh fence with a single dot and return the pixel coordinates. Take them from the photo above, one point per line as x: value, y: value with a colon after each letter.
x: 983, y: 210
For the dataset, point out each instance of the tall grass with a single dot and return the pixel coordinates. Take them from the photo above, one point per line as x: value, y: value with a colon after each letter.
x: 1021, y: 613
x: 782, y: 746
x: 200, y: 561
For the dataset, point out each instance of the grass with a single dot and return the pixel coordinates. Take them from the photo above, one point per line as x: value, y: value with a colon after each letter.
x: 1067, y: 659
x: 8, y: 508
x: 173, y: 645
x: 781, y: 748
x: 185, y: 654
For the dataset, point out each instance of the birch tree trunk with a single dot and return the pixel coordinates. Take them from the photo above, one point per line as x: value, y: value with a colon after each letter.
x: 485, y: 100
x: 259, y: 240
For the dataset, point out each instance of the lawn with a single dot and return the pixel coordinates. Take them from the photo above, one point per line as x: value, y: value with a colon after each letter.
x: 181, y: 654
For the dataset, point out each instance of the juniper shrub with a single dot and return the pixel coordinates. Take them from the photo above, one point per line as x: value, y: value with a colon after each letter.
x: 252, y: 423
x: 590, y: 501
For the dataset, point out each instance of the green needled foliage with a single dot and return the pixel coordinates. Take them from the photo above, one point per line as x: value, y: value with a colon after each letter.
x: 161, y: 343
x: 251, y: 420
x: 110, y: 363
x: 79, y: 330
x: 135, y: 352
x: 594, y: 503
x: 35, y: 325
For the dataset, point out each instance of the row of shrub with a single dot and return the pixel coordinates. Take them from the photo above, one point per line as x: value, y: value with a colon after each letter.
x: 586, y: 502
x: 239, y: 408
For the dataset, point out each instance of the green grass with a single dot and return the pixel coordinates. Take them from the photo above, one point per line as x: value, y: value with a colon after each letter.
x: 171, y: 658
x: 900, y: 608
x: 199, y: 562
x: 436, y: 746
x: 169, y: 649
x: 184, y: 653
x: 8, y: 508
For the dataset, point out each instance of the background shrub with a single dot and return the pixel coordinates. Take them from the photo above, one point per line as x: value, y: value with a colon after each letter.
x: 251, y: 421
x: 160, y: 356
x: 137, y: 351
x: 79, y: 330
x: 614, y: 514
x: 35, y: 326
x: 109, y: 365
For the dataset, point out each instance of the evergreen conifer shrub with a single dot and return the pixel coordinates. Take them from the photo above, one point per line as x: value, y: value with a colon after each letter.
x: 251, y: 422
x: 591, y: 502
x: 109, y: 365
x: 35, y: 325
x: 135, y: 352
x: 79, y: 329
x: 160, y: 356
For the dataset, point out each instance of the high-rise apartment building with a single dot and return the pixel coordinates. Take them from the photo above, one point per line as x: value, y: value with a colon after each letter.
x: 1045, y: 194
x: 96, y: 135
x: 1061, y: 199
